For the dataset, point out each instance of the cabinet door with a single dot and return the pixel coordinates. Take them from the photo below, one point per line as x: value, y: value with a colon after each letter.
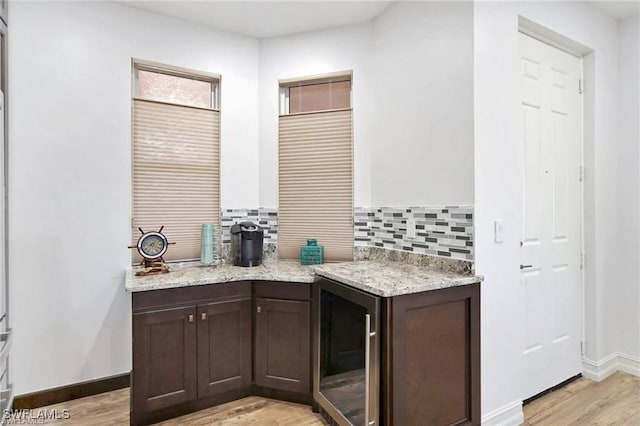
x: 164, y: 358
x: 224, y: 347
x: 435, y: 345
x: 283, y: 359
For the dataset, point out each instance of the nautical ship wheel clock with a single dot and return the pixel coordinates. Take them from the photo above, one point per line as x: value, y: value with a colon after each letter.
x: 152, y: 246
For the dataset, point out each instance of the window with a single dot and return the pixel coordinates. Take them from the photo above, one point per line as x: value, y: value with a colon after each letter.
x: 173, y: 89
x: 318, y: 96
x: 316, y: 166
x: 176, y: 170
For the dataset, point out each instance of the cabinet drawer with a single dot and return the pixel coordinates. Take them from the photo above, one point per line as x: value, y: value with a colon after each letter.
x: 283, y: 290
x: 153, y: 299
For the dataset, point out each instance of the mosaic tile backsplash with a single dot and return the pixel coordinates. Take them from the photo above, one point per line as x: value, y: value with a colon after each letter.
x: 440, y: 231
x: 266, y: 217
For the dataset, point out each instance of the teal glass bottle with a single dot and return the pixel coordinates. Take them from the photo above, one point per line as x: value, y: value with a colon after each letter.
x: 208, y: 244
x: 312, y: 253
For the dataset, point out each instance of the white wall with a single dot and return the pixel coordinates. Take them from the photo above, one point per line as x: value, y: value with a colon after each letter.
x: 498, y: 176
x: 319, y: 52
x: 69, y: 165
x: 70, y: 148
x: 422, y: 140
x: 629, y: 186
x: 412, y: 101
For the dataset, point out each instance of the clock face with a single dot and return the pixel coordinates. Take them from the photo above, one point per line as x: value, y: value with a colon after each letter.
x: 152, y: 245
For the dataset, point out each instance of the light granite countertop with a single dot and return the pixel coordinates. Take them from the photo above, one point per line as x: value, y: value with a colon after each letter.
x: 392, y: 278
x: 382, y: 278
x: 190, y: 274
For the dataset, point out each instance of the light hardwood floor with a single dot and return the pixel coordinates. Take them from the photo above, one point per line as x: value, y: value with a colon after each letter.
x: 614, y: 401
x: 112, y: 408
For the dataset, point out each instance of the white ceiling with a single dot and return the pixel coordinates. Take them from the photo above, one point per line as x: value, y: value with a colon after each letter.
x: 267, y: 18
x: 619, y: 9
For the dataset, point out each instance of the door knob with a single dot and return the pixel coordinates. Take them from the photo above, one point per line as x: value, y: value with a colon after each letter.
x: 526, y: 266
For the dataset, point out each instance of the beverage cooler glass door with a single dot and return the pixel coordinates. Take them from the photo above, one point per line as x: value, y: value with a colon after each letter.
x: 346, y: 353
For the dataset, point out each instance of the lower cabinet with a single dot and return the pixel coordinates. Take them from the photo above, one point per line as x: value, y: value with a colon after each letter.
x: 193, y: 347
x: 433, y: 341
x: 224, y: 347
x: 283, y: 356
x: 164, y: 358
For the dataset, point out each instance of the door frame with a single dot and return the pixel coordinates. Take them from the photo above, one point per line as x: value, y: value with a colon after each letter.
x: 569, y: 46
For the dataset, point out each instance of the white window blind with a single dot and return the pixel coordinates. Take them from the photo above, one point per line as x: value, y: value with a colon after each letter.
x: 316, y: 183
x: 176, y: 173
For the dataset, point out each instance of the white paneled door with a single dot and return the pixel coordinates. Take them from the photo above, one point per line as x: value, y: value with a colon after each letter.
x: 551, y: 233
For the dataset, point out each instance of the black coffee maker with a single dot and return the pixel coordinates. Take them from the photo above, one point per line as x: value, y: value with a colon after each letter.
x: 246, y: 244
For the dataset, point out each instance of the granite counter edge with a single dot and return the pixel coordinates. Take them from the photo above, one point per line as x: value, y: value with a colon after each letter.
x: 136, y: 288
x: 402, y: 290
x: 297, y: 278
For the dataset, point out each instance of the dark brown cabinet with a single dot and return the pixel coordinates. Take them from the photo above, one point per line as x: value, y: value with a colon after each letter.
x: 282, y: 356
x: 431, y: 358
x: 195, y: 347
x: 164, y: 358
x: 224, y: 347
x: 191, y: 349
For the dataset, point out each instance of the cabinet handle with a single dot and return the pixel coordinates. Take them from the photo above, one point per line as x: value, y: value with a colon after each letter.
x: 204, y: 315
x: 259, y: 309
x: 367, y: 367
x: 190, y: 317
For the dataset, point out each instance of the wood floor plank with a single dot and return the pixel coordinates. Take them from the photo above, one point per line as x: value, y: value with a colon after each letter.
x: 251, y: 411
x: 614, y: 401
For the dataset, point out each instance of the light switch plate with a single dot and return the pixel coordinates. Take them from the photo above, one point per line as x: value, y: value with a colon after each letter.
x: 498, y: 228
x: 411, y: 228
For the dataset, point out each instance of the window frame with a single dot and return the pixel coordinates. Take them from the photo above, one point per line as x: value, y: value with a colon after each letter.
x: 158, y: 68
x: 284, y: 86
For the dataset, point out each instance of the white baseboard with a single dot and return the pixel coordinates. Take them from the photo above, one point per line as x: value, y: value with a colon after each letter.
x: 507, y: 415
x: 600, y: 370
x: 629, y: 364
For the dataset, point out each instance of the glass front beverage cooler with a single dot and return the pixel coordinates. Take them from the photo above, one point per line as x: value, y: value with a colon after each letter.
x: 346, y: 353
